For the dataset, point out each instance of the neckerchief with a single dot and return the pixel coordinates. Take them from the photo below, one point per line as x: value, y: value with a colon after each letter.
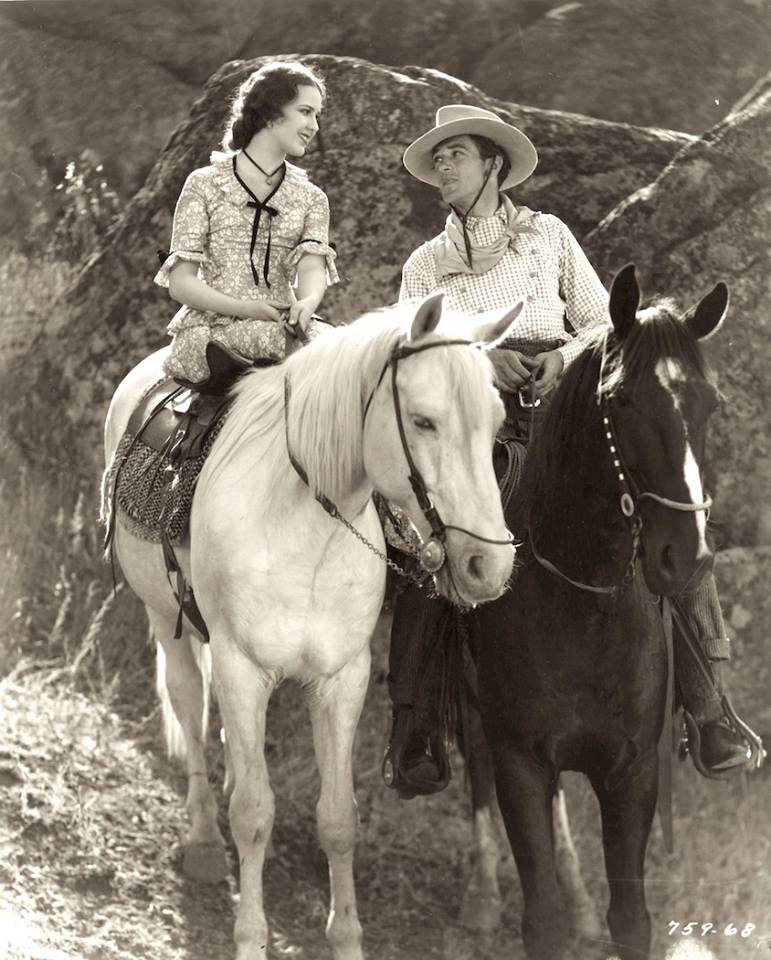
x: 449, y: 247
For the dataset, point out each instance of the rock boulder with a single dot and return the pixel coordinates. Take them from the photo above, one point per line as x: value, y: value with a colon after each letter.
x: 61, y: 96
x: 707, y: 217
x: 743, y: 576
x: 654, y: 63
x: 113, y: 314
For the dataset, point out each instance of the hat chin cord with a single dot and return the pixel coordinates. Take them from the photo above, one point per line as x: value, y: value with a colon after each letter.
x: 463, y: 216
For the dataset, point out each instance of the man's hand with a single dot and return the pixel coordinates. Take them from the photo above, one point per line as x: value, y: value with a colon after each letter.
x: 512, y: 369
x: 549, y: 367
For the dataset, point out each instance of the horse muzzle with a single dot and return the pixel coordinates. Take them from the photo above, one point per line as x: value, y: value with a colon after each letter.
x: 475, y: 572
x: 672, y: 568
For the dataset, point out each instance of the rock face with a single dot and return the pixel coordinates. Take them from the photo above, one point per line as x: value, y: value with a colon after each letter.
x: 743, y: 576
x: 708, y: 217
x: 117, y: 78
x: 652, y: 62
x: 61, y: 96
x: 114, y: 314
x: 191, y: 40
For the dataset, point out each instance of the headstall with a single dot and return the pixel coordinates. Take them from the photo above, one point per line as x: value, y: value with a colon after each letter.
x: 630, y: 497
x: 433, y: 554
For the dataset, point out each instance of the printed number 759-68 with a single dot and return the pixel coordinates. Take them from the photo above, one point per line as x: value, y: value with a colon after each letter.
x: 694, y: 928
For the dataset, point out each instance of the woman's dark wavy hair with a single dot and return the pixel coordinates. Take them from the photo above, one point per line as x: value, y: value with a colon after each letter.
x: 262, y: 97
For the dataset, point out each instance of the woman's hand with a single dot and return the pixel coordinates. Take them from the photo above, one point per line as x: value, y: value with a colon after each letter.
x: 261, y: 310
x: 549, y: 369
x: 300, y: 313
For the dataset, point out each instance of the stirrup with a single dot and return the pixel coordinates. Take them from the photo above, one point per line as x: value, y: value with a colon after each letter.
x: 394, y: 773
x: 691, y: 743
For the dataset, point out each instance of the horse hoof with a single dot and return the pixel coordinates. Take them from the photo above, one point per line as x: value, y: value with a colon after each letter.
x: 481, y: 912
x: 205, y: 862
x: 585, y: 922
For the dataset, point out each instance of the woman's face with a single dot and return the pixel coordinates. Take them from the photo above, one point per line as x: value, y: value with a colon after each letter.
x: 298, y: 123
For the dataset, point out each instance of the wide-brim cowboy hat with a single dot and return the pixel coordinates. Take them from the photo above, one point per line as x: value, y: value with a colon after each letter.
x: 457, y: 119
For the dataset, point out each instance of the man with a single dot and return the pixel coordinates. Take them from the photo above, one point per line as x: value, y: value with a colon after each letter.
x: 490, y: 252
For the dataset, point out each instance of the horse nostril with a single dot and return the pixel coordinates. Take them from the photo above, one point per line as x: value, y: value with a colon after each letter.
x: 476, y: 567
x: 668, y: 563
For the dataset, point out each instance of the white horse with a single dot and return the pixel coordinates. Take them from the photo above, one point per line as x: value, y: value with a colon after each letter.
x: 287, y: 591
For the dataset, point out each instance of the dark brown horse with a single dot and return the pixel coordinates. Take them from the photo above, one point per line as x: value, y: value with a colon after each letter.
x: 572, y: 661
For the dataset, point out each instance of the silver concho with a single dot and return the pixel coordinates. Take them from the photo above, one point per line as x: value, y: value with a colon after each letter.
x: 432, y: 555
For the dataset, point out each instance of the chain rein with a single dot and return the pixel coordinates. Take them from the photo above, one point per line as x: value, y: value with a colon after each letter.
x: 429, y: 558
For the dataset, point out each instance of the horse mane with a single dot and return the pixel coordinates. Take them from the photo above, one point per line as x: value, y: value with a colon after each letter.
x: 658, y: 333
x: 330, y: 381
x: 607, y: 366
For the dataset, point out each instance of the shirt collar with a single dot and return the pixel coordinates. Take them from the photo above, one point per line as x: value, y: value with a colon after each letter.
x: 501, y: 215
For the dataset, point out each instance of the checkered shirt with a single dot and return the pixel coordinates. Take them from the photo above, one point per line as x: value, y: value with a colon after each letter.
x: 544, y: 264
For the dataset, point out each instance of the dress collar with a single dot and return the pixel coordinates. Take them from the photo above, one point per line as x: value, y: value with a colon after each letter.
x: 225, y: 178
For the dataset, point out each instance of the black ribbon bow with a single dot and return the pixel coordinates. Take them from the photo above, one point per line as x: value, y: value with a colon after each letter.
x: 258, y: 206
x: 271, y: 212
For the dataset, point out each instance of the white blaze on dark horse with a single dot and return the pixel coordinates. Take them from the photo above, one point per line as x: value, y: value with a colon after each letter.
x: 572, y: 660
x: 286, y: 591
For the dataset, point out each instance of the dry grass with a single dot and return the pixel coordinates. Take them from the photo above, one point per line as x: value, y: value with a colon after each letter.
x: 91, y: 814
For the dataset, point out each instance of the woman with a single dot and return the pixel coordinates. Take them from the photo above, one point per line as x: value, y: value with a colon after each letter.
x: 249, y: 227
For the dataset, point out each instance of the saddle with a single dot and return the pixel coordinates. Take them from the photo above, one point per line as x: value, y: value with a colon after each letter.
x: 180, y: 412
x: 156, y: 466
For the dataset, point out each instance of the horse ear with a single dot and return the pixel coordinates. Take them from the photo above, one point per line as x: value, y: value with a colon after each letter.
x: 624, y: 300
x: 498, y: 326
x: 428, y: 315
x: 705, y: 319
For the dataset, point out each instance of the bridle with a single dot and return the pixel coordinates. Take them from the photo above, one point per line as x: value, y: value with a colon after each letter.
x: 433, y: 554
x: 630, y: 497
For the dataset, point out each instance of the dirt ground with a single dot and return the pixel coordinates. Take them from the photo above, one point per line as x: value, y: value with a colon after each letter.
x: 91, y: 818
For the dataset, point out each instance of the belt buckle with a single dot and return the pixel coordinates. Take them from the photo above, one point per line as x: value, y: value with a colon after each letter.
x: 525, y: 401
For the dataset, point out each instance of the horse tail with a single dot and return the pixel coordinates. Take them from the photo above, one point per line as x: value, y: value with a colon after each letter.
x: 172, y: 730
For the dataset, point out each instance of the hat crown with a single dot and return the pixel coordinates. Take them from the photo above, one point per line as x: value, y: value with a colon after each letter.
x: 463, y: 111
x: 459, y: 119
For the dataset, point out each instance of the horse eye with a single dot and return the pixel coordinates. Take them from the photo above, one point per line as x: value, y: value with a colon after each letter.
x: 423, y: 423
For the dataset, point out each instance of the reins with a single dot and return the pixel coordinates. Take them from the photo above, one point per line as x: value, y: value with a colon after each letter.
x: 432, y: 555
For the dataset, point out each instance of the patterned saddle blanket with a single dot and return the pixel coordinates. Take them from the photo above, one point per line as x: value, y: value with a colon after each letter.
x: 150, y: 483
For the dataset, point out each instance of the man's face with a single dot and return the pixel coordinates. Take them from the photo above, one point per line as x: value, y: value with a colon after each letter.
x: 461, y: 170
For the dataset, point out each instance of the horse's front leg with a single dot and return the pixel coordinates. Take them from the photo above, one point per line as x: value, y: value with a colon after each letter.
x: 627, y: 813
x: 584, y: 918
x: 243, y: 691
x: 525, y: 792
x: 482, y: 906
x: 335, y: 707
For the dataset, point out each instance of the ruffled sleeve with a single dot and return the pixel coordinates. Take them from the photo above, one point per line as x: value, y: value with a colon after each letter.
x: 190, y: 230
x: 315, y: 236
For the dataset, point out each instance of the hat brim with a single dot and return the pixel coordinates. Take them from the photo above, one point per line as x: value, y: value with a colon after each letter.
x: 522, y: 154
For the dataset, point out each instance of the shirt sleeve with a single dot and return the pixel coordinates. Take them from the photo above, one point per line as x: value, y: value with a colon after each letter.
x: 417, y: 281
x: 586, y: 300
x: 190, y: 229
x: 315, y: 236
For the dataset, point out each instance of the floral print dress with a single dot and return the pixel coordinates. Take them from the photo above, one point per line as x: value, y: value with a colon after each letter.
x: 244, y: 248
